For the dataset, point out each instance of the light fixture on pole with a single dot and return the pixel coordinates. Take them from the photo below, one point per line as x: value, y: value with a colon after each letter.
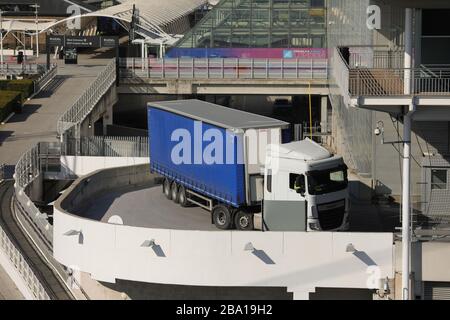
x: 36, y: 7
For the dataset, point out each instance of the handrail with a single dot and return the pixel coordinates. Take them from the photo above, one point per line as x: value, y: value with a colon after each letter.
x: 224, y: 68
x: 23, y: 268
x: 44, y: 79
x: 88, y: 100
x: 27, y: 169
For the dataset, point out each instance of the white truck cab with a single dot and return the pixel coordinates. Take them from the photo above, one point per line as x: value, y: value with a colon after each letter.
x: 305, y: 189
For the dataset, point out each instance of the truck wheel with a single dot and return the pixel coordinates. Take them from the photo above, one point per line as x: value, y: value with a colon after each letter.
x: 166, y: 189
x: 222, y: 217
x: 174, y: 192
x: 244, y: 221
x: 182, y: 197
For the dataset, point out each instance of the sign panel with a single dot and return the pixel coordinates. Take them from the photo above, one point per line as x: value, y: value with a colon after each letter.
x: 109, y: 42
x: 56, y: 41
x: 82, y: 42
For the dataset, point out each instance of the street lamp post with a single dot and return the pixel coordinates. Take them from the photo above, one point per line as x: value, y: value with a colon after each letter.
x: 36, y: 7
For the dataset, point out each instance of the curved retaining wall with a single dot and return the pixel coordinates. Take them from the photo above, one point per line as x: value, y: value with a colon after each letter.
x: 299, y: 261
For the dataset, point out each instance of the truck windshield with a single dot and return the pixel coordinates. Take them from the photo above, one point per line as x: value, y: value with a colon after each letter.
x: 326, y: 181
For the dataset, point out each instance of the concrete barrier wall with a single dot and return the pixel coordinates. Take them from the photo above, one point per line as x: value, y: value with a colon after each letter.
x: 299, y: 261
x: 80, y: 166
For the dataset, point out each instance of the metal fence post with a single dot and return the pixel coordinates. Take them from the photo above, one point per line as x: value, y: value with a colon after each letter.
x: 163, y: 71
x: 223, y: 68
x: 267, y: 68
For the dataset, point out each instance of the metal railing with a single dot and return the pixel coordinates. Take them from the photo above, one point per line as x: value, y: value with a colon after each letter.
x: 377, y: 59
x: 86, y: 103
x: 28, y: 168
x: 224, y: 68
x: 387, y: 82
x: 45, y: 78
x: 8, y: 69
x: 22, y: 267
x: 341, y: 74
x: 101, y: 146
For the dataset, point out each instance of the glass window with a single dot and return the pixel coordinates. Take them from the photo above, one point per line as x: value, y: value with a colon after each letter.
x: 438, y: 179
x: 326, y: 181
x: 269, y: 180
x: 297, y: 182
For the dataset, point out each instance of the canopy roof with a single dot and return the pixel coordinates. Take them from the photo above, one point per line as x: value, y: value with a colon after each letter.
x: 27, y: 25
x: 154, y: 15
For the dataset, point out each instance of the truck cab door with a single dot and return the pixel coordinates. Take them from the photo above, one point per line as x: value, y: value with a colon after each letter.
x: 284, y: 203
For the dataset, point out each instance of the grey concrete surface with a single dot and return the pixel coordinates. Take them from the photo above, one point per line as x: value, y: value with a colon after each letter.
x: 146, y: 206
x: 8, y: 290
x: 38, y: 120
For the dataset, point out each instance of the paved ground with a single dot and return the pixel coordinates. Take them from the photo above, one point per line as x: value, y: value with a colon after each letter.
x: 38, y: 120
x: 8, y: 290
x: 147, y: 207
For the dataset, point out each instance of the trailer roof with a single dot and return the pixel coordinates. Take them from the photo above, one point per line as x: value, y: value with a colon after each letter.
x: 217, y: 115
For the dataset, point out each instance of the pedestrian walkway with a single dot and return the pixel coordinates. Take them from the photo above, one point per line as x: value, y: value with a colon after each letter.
x: 37, y: 122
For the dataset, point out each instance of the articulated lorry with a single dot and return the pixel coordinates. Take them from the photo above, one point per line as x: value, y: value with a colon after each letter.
x: 234, y: 164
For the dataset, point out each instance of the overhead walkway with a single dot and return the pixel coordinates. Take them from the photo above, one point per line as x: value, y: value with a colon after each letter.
x: 38, y: 120
x: 378, y: 82
x: 224, y: 76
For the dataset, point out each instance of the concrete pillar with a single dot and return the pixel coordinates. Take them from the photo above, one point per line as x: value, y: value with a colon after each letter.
x: 406, y: 203
x: 408, y: 49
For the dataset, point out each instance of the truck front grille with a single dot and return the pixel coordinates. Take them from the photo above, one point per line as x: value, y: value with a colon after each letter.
x: 331, y: 215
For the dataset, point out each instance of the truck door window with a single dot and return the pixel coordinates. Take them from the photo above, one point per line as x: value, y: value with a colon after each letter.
x: 297, y: 183
x: 269, y: 180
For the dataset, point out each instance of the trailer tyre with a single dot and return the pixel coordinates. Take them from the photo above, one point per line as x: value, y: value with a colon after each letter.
x: 182, y: 197
x: 174, y: 192
x: 166, y: 189
x: 244, y: 221
x: 222, y: 217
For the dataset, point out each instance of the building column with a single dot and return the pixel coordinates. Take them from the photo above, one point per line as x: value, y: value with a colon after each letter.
x: 408, y: 49
x: 406, y: 202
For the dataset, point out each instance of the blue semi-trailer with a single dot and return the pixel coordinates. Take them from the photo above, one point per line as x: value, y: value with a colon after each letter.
x: 233, y: 164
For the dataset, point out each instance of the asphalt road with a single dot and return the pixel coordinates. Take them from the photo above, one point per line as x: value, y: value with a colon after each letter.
x: 147, y: 207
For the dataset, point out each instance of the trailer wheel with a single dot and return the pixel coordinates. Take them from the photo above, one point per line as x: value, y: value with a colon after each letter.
x: 244, y: 221
x: 166, y: 189
x: 182, y: 197
x: 222, y: 217
x: 174, y: 192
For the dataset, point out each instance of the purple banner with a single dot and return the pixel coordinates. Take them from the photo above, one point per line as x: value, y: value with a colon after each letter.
x: 254, y: 53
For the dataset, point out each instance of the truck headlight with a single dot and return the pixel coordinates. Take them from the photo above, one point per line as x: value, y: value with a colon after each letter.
x: 315, y: 226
